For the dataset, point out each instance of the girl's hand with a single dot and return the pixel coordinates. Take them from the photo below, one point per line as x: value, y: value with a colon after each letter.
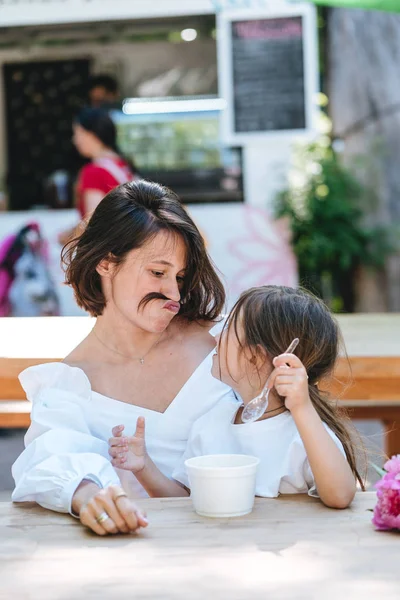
x: 130, y: 452
x: 290, y: 380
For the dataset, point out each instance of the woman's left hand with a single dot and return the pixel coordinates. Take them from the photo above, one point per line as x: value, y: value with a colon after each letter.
x: 290, y: 381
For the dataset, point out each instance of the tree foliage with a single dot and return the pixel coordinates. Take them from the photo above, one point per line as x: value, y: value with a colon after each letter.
x: 324, y: 202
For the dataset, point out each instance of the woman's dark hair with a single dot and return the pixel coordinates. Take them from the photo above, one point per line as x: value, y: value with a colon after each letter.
x: 270, y: 318
x: 99, y: 122
x: 105, y: 81
x: 127, y: 218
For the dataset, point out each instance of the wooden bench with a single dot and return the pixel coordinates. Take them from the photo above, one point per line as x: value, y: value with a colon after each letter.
x: 372, y: 343
x: 14, y: 408
x: 372, y: 386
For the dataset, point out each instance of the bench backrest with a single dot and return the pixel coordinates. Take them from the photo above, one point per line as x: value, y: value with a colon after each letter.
x: 369, y: 378
x: 10, y: 368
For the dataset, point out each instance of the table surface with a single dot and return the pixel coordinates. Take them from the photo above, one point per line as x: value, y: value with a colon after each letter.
x: 291, y: 547
x: 55, y: 337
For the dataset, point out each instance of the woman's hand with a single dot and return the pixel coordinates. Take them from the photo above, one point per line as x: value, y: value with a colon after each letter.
x: 130, y: 452
x: 290, y: 380
x: 109, y: 511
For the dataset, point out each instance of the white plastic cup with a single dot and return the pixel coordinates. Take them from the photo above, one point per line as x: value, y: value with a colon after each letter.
x: 222, y: 485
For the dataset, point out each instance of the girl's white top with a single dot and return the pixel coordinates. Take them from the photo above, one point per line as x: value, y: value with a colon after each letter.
x: 71, y: 424
x: 284, y: 466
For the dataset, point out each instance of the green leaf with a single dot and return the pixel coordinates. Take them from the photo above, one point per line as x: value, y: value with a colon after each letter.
x: 379, y: 470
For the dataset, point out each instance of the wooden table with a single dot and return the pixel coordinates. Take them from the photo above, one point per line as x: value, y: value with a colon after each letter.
x: 371, y: 390
x: 292, y: 547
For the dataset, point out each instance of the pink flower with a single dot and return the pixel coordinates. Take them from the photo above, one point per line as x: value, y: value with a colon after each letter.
x: 393, y: 465
x: 387, y: 510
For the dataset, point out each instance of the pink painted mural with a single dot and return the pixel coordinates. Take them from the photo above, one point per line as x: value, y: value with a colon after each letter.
x: 248, y: 246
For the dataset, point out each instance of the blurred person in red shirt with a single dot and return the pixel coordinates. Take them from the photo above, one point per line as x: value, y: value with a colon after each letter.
x: 95, y: 138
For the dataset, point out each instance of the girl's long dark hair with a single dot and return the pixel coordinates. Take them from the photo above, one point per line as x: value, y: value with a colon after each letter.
x: 271, y: 317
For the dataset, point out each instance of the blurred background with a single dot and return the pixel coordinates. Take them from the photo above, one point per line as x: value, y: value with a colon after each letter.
x: 277, y: 123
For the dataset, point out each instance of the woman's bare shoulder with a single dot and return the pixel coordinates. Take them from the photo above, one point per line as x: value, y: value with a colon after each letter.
x: 195, y: 328
x: 197, y: 336
x: 79, y: 356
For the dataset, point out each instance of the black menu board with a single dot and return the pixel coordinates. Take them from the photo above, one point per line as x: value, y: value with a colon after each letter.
x: 268, y: 75
x: 42, y: 98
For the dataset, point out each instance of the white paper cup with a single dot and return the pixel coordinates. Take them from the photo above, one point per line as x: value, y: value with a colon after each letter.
x: 222, y: 485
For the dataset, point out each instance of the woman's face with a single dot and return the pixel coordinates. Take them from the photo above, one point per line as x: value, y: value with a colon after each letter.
x: 158, y: 267
x: 85, y: 142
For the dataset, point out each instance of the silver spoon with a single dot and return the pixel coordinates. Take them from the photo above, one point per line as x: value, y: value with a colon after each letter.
x: 257, y: 407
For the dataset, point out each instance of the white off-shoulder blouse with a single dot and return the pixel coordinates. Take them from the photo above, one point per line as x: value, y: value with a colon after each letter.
x: 71, y: 424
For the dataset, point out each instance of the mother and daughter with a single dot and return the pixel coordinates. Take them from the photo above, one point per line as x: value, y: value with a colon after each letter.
x: 153, y: 365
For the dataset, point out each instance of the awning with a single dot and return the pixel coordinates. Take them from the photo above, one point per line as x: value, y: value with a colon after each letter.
x: 385, y: 5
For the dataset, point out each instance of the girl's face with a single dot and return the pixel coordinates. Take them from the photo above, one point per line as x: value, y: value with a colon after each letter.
x: 239, y: 366
x: 158, y: 267
x: 230, y: 361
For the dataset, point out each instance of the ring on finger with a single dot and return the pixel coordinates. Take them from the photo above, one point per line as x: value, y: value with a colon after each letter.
x: 120, y: 494
x: 102, y: 517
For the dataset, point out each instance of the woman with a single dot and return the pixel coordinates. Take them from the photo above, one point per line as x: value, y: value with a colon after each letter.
x: 141, y: 268
x: 95, y: 137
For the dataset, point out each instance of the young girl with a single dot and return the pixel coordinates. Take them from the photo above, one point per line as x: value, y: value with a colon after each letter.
x: 302, y: 442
